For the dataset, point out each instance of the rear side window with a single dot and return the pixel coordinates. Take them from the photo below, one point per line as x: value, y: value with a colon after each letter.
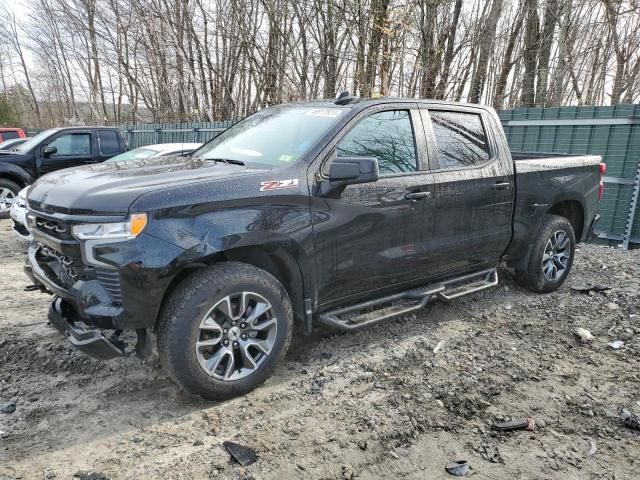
x: 9, y: 135
x: 461, y: 139
x: 387, y: 136
x: 108, y: 140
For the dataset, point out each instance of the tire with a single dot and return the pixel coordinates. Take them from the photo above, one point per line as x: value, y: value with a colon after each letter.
x: 539, y: 277
x: 8, y: 192
x: 198, y: 319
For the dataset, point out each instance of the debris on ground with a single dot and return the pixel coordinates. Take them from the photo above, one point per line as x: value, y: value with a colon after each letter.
x: 585, y: 335
x: 245, y: 456
x: 616, y: 344
x: 629, y: 419
x: 518, y: 424
x: 588, y: 289
x: 594, y: 448
x: 439, y: 346
x: 8, y: 408
x: 459, y: 468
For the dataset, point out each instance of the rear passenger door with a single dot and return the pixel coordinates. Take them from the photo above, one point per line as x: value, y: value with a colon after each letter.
x: 473, y: 189
x: 108, y: 144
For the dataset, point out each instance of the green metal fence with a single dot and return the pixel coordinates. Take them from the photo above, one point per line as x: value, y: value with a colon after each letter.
x: 612, y: 132
x: 195, y: 132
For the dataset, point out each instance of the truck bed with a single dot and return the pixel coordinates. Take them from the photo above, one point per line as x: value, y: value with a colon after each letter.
x: 533, y: 161
x: 539, y: 184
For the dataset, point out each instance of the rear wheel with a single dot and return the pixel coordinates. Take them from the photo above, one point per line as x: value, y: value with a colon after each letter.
x: 8, y: 193
x: 551, y: 257
x: 224, y: 330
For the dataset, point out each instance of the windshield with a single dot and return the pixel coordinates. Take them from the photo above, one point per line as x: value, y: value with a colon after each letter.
x: 134, y: 154
x: 276, y: 136
x: 34, y: 141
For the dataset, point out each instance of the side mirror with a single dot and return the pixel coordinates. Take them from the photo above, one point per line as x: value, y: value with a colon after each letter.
x: 49, y: 150
x: 350, y: 171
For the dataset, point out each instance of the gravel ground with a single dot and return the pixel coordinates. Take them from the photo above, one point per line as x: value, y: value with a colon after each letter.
x: 378, y: 403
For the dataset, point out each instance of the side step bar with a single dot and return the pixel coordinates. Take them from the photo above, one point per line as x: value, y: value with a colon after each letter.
x: 373, y: 311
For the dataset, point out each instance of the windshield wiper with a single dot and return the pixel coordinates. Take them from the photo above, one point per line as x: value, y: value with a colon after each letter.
x: 224, y: 160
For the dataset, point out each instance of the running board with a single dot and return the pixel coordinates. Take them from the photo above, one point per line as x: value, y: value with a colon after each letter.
x: 373, y: 311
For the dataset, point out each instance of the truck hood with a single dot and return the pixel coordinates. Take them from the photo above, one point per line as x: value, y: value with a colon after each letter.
x: 111, y: 187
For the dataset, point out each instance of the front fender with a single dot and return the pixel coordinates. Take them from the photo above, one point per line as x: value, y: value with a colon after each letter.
x: 14, y: 171
x: 279, y: 230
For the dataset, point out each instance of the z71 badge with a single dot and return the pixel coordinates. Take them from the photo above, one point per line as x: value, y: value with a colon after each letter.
x: 278, y: 184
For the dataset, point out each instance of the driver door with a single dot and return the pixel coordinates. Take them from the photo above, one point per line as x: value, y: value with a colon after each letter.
x: 73, y: 148
x: 376, y: 236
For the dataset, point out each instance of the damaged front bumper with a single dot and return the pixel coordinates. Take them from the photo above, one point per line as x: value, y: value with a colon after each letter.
x: 89, y: 340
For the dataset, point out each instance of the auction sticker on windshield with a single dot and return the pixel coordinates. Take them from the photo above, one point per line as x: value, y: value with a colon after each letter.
x: 270, y: 185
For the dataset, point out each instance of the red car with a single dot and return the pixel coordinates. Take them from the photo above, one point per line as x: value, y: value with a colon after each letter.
x: 11, y: 133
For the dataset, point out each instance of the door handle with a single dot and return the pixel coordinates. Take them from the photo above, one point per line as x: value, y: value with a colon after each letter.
x: 500, y: 185
x: 415, y: 196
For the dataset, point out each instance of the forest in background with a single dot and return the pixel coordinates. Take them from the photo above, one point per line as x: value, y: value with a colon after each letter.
x: 64, y: 62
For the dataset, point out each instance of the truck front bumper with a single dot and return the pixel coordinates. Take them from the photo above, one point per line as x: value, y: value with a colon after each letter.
x: 90, y: 340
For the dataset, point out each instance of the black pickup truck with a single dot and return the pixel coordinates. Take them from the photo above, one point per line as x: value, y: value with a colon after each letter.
x: 343, y: 213
x: 54, y: 149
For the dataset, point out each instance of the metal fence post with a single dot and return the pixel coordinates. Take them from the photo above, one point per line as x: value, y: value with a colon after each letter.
x: 632, y: 210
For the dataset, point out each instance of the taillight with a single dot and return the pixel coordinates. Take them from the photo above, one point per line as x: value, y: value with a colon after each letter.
x: 603, y: 170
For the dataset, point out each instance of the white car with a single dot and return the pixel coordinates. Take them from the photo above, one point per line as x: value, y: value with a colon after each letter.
x: 18, y: 214
x: 158, y: 150
x: 18, y: 210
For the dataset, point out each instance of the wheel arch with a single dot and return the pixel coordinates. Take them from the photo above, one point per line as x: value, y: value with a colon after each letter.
x: 279, y: 262
x: 572, y: 210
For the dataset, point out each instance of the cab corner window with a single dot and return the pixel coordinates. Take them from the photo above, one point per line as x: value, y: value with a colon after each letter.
x: 387, y: 136
x: 72, y: 144
x: 460, y: 138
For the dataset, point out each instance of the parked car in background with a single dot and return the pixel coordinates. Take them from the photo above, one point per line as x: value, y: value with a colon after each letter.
x: 157, y: 150
x: 18, y: 213
x: 344, y: 213
x: 11, y: 133
x: 18, y: 209
x: 8, y: 145
x: 51, y: 150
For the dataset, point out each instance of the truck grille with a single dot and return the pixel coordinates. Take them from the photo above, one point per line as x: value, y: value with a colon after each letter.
x: 63, y: 269
x: 53, y: 228
x: 110, y: 280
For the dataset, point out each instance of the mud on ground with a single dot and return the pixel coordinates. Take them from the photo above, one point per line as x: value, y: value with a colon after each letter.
x: 371, y: 404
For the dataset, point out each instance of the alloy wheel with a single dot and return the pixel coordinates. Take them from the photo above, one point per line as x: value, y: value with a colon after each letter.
x: 557, y: 254
x: 236, y: 336
x: 7, y: 197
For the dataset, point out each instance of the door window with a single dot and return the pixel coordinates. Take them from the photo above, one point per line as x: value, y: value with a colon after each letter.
x: 72, y: 144
x: 460, y: 138
x: 108, y: 141
x: 387, y: 136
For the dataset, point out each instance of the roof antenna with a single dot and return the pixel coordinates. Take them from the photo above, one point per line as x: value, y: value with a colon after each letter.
x: 344, y: 98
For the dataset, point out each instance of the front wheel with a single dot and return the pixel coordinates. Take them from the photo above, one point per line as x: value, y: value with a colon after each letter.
x: 224, y: 330
x: 551, y: 257
x: 8, y: 193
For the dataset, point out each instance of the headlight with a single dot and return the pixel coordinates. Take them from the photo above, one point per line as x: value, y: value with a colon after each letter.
x: 20, y: 202
x: 112, y: 231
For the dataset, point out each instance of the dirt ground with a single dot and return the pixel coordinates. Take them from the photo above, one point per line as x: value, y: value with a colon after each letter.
x: 378, y: 403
